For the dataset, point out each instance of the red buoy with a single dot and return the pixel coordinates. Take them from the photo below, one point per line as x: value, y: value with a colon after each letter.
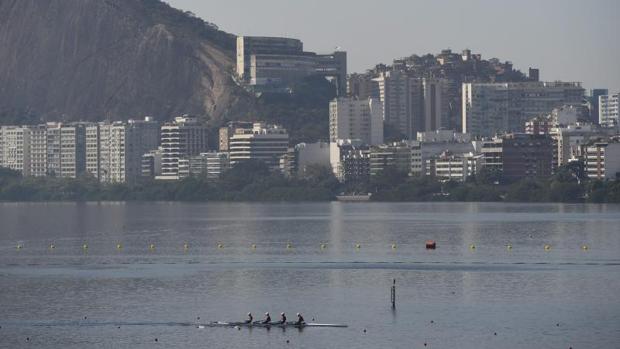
x: 431, y: 245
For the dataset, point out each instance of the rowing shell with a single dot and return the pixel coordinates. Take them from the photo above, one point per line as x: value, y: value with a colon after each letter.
x: 271, y: 324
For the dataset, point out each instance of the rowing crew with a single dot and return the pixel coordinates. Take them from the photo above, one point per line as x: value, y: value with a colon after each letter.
x: 300, y: 319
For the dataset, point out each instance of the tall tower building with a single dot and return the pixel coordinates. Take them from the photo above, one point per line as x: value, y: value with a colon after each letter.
x: 359, y: 119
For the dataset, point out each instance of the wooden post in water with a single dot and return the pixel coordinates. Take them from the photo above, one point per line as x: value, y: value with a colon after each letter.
x: 393, y: 294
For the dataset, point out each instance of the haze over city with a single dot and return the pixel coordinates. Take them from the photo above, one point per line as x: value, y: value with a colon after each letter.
x: 309, y: 174
x: 568, y: 40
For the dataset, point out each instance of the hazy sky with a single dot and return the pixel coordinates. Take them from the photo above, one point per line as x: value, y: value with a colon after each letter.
x: 571, y: 40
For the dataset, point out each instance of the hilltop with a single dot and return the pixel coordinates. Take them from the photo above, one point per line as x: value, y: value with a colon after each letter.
x: 112, y: 59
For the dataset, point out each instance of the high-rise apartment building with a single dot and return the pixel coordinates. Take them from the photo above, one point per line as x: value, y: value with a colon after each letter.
x: 15, y: 148
x: 180, y: 139
x: 351, y: 118
x: 394, y: 93
x: 491, y: 108
x: 412, y: 104
x: 37, y: 150
x: 53, y: 149
x: 93, y: 147
x: 609, y: 110
x: 72, y: 150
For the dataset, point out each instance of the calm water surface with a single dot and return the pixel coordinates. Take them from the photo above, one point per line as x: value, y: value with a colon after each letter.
x: 332, y: 261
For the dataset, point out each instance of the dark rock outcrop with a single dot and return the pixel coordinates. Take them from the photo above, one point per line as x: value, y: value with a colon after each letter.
x: 113, y: 59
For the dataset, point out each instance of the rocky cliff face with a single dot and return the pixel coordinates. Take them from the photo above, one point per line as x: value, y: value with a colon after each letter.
x: 115, y: 59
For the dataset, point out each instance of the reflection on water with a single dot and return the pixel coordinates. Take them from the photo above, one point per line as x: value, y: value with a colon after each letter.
x: 487, y: 296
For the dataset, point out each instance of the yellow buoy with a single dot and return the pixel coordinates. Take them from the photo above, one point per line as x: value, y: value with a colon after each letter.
x: 186, y: 246
x: 151, y: 246
x: 584, y: 247
x: 323, y: 246
x: 547, y: 247
x: 358, y: 246
x: 119, y: 246
x: 19, y: 246
x: 85, y: 246
x: 289, y: 245
x: 253, y: 246
x: 509, y: 247
x: 52, y: 246
x: 220, y: 245
x: 472, y: 246
x: 393, y: 246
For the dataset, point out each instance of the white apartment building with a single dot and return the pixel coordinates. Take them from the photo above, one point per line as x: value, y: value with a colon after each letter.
x: 72, y: 150
x: 262, y: 142
x: 114, y: 150
x: 15, y: 149
x: 53, y: 148
x: 37, y: 150
x: 351, y: 118
x: 180, y: 139
x: 602, y: 160
x: 93, y: 137
x: 609, y: 114
x: 491, y: 108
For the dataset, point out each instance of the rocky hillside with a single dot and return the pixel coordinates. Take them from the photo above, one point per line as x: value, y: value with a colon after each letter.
x: 116, y: 59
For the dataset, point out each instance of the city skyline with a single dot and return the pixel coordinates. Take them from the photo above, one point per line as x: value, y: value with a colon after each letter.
x: 580, y: 33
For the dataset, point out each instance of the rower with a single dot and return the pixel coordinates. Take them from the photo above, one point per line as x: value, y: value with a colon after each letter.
x: 267, y: 319
x: 300, y: 320
x: 283, y: 319
x: 250, y: 319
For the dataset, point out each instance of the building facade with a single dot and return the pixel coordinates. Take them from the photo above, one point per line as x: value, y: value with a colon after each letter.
x: 602, y: 160
x: 526, y: 156
x: 492, y: 108
x: 263, y: 142
x: 351, y: 118
x: 404, y: 156
x: 180, y: 139
x: 274, y: 62
x: 453, y: 167
x: 609, y: 112
x: 15, y: 148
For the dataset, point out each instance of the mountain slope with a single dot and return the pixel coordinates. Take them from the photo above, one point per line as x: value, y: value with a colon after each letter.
x: 115, y: 59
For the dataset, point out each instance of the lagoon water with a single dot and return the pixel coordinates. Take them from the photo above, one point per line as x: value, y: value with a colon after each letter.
x: 471, y: 292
